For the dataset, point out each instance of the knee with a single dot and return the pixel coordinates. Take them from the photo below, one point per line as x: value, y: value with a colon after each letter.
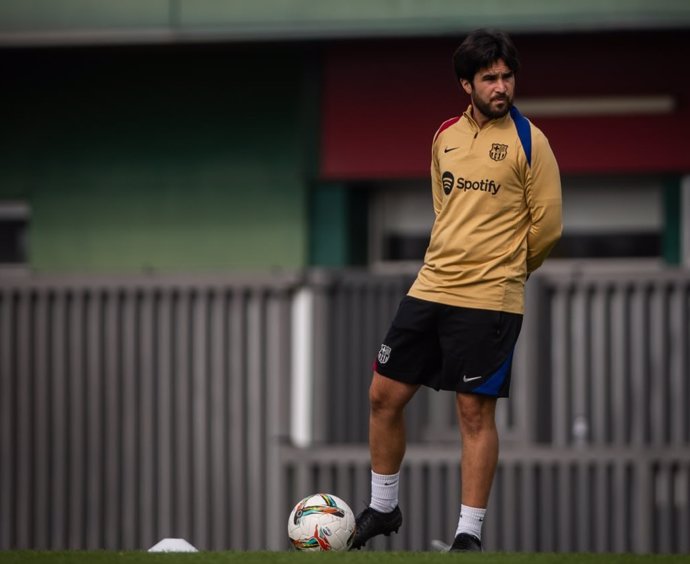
x: 380, y: 401
x: 472, y: 424
x: 476, y: 418
x: 383, y: 399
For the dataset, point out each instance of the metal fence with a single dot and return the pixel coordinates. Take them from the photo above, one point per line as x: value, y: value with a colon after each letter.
x: 134, y: 410
x: 143, y: 408
x: 353, y: 310
x: 544, y: 499
x: 603, y: 359
x: 619, y: 368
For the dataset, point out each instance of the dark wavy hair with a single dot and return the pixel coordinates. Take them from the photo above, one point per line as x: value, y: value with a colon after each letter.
x: 482, y: 48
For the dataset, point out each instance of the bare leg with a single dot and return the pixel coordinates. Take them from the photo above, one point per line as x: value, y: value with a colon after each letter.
x: 387, y: 400
x: 476, y: 416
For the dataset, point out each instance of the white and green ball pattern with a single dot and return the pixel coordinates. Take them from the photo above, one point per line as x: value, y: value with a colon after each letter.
x: 321, y: 522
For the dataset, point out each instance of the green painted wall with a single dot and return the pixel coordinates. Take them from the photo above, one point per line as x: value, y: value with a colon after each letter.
x: 673, y: 221
x: 339, y: 225
x: 178, y: 158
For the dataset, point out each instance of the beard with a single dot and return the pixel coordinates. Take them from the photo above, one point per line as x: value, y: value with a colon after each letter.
x: 487, y: 110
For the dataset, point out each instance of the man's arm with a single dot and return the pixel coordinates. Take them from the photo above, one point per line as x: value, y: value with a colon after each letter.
x: 543, y: 194
x: 436, y: 188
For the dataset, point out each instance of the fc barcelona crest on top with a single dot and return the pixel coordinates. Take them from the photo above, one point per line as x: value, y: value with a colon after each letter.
x: 384, y: 354
x: 498, y: 151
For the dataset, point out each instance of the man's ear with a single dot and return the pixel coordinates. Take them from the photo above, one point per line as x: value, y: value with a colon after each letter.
x: 466, y: 85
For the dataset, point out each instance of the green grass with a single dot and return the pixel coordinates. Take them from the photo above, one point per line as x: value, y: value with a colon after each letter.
x: 105, y: 557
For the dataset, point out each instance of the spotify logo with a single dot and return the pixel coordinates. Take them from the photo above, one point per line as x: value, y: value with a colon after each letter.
x: 447, y: 180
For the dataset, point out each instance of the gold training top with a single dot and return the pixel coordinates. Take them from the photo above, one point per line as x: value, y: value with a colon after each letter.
x: 497, y: 216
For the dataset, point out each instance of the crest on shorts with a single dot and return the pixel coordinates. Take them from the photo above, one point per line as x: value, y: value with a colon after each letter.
x: 498, y: 151
x: 384, y: 354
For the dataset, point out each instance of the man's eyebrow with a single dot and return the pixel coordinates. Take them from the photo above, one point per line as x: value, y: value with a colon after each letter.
x: 492, y: 74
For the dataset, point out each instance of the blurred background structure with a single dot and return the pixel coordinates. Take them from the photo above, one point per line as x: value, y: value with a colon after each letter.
x: 209, y: 211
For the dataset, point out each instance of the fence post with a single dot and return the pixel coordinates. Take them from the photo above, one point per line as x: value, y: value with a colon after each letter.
x: 318, y: 285
x: 534, y: 405
x: 278, y: 383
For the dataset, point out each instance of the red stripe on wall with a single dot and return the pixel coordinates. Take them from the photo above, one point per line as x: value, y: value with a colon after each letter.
x: 620, y: 144
x: 384, y: 100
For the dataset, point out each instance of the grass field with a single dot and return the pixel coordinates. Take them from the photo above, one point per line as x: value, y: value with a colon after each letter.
x: 104, y: 557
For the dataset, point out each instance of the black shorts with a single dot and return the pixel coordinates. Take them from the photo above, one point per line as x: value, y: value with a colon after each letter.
x: 450, y: 348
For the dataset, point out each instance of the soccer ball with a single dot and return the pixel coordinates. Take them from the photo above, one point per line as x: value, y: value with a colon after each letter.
x: 321, y: 522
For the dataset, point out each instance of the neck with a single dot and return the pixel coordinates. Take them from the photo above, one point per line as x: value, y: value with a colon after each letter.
x: 479, y: 117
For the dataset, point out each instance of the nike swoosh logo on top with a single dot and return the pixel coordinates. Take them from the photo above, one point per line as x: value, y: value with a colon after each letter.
x: 466, y: 379
x: 448, y: 150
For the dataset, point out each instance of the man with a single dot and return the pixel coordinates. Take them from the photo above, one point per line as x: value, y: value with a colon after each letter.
x: 497, y: 199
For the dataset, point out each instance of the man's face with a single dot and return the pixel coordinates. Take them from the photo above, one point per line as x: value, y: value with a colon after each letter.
x: 492, y: 90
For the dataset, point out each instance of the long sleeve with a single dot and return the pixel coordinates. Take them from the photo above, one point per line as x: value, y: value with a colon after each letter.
x: 436, y: 188
x: 497, y: 217
x: 543, y: 196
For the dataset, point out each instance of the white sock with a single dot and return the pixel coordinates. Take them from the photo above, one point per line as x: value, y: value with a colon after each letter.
x: 471, y: 521
x: 384, y: 491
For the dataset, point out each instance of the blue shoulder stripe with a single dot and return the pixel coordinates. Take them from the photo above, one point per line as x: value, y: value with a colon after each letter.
x: 524, y: 132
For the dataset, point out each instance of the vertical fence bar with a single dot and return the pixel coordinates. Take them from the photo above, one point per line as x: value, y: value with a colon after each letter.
x: 682, y: 506
x: 110, y: 371
x: 24, y: 437
x: 601, y: 505
x: 600, y: 374
x: 415, y: 489
x: 639, y: 366
x: 565, y: 507
x: 579, y: 423
x: 59, y: 431
x: 131, y: 387
x: 358, y: 332
x: 324, y: 360
x: 662, y: 507
x: 643, y: 512
x: 8, y: 384
x: 528, y: 509
x: 218, y: 421
x: 277, y: 389
x: 436, y: 502
x: 533, y: 382
x: 237, y: 402
x: 77, y: 422
x: 198, y: 402
x: 147, y: 411
x: 95, y: 409
x: 620, y: 365
x: 165, y: 322
x: 546, y: 527
x: 679, y: 366
x: 658, y: 375
x: 582, y: 513
x: 620, y: 500
x: 509, y: 507
x: 560, y: 363
x: 41, y: 392
x: 181, y: 417
x: 255, y: 419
